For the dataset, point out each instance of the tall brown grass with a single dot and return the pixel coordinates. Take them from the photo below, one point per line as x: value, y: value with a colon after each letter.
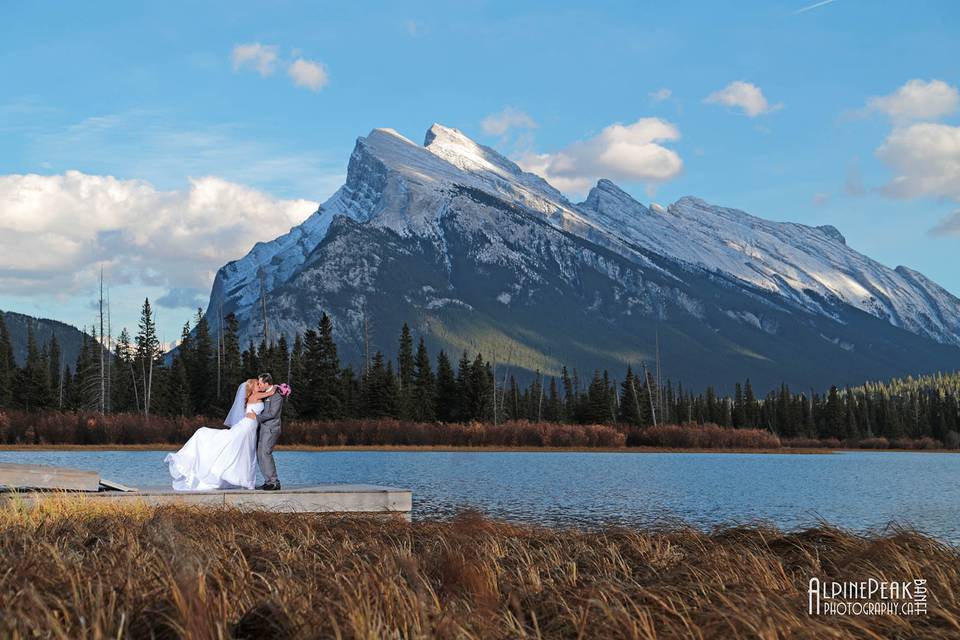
x: 705, y: 436
x: 67, y: 428
x: 76, y: 570
x: 20, y: 427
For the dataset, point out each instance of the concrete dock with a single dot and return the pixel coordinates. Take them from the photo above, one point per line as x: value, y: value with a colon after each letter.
x: 28, y: 483
x: 325, y: 498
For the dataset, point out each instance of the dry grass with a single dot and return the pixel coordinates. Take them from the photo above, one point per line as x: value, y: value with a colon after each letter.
x: 704, y: 436
x: 53, y: 429
x: 70, y: 569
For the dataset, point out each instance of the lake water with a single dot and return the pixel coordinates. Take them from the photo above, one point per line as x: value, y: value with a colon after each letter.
x: 862, y: 491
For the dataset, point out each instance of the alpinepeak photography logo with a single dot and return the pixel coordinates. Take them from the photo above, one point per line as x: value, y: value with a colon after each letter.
x: 869, y: 597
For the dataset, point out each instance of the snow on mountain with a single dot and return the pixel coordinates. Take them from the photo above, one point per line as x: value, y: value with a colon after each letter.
x: 393, y: 183
x: 789, y: 259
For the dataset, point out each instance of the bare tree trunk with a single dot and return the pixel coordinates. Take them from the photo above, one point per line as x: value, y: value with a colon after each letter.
x: 646, y: 377
x: 109, y: 358
x: 136, y: 392
x: 614, y: 403
x: 263, y: 307
x: 540, y: 401
x: 636, y: 398
x: 494, y: 388
x: 219, y: 348
x: 366, y: 341
x: 103, y: 372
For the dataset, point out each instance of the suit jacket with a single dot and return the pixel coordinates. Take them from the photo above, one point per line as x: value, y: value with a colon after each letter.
x: 269, y: 418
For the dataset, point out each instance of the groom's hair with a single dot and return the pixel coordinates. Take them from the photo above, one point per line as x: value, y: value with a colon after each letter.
x: 265, y: 377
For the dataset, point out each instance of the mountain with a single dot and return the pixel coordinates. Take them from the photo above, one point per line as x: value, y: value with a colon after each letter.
x: 69, y: 337
x: 477, y: 254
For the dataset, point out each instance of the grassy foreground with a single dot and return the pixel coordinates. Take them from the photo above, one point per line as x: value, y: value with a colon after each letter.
x: 72, y: 570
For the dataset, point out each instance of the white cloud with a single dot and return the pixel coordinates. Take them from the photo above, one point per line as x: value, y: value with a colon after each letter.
x: 259, y: 56
x: 917, y: 100
x: 497, y: 124
x: 949, y: 226
x: 660, y: 95
x: 56, y: 231
x: 630, y: 153
x: 925, y: 160
x: 309, y: 74
x: 743, y: 95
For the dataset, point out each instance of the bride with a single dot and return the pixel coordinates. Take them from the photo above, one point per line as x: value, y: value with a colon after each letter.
x: 222, y: 458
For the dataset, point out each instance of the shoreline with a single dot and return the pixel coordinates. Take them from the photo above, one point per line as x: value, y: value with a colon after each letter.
x: 464, y: 449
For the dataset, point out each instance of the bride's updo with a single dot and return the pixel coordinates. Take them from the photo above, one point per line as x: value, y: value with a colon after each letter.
x: 251, y: 388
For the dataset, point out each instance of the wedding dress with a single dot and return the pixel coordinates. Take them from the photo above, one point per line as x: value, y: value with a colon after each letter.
x: 219, y: 458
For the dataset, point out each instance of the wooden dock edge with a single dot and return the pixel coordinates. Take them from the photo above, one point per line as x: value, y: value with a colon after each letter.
x: 345, y: 499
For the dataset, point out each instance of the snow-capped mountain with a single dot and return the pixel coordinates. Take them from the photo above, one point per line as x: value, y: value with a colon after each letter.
x: 479, y: 255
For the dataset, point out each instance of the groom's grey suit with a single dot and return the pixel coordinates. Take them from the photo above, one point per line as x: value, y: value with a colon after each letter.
x: 269, y: 433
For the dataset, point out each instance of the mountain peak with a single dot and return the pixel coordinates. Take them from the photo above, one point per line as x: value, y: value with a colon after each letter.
x: 606, y: 197
x: 833, y: 232
x: 461, y: 151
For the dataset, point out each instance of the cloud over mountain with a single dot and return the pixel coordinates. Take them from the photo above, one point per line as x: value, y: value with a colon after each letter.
x: 632, y: 153
x: 59, y: 229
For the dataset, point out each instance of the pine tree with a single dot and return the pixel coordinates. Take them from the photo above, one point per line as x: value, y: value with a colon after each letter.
x: 323, y: 397
x: 34, y: 382
x: 201, y: 368
x: 405, y: 367
x: 296, y: 380
x: 749, y: 406
x: 147, y: 358
x: 463, y: 389
x: 447, y: 397
x: 424, y: 386
x: 8, y: 366
x: 177, y: 398
x: 85, y: 386
x: 570, y: 401
x: 835, y: 415
x: 598, y: 401
x: 632, y: 400
x: 122, y: 383
x: 554, y: 410
x: 232, y: 360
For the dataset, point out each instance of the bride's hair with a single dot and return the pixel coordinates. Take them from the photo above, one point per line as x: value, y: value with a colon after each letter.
x: 251, y: 387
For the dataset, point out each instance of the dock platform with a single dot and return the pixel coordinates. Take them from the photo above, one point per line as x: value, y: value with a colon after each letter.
x: 29, y: 483
x: 325, y: 498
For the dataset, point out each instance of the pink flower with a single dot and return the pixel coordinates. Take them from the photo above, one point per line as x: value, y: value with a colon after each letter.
x: 284, y: 389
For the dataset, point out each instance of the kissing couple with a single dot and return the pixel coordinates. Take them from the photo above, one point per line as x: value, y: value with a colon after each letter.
x: 227, y: 458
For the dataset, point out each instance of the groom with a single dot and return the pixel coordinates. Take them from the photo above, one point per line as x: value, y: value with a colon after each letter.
x: 268, y: 434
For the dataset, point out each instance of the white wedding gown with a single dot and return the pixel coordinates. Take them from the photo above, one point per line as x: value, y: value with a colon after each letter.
x: 218, y: 458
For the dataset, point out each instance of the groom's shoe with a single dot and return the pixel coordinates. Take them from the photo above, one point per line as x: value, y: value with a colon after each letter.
x: 270, y: 486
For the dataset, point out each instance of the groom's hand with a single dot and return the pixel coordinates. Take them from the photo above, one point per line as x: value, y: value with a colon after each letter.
x: 251, y: 415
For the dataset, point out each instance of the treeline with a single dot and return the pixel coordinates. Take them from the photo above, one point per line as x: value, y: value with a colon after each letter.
x: 200, y: 377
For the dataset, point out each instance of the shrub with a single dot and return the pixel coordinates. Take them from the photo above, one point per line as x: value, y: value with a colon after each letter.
x: 952, y: 441
x: 706, y: 436
x: 916, y: 443
x: 874, y: 443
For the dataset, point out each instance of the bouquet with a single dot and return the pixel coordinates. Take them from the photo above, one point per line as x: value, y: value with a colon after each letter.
x: 284, y: 390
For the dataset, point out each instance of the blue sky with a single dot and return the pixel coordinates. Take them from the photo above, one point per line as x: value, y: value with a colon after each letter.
x: 142, y: 100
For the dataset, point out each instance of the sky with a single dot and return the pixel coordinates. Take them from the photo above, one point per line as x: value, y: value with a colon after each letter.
x: 158, y: 142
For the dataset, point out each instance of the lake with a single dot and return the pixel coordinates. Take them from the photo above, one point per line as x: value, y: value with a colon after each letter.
x: 863, y: 491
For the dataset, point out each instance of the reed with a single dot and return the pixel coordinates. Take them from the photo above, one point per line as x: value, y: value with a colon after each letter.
x: 70, y: 569
x: 54, y: 428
